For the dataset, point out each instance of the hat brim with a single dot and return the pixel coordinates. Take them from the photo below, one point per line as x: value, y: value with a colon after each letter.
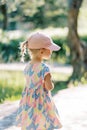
x: 54, y: 47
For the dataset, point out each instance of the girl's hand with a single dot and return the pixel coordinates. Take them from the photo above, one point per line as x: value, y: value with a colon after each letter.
x: 48, y: 85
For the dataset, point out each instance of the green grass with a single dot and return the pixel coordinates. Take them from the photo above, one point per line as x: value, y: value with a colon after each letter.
x: 59, y: 86
x: 12, y: 84
x: 60, y: 81
x: 60, y: 76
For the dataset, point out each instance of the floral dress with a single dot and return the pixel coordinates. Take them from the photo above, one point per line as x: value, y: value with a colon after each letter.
x: 36, y: 108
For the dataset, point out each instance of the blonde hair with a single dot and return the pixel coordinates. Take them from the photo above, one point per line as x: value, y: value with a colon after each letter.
x: 24, y: 49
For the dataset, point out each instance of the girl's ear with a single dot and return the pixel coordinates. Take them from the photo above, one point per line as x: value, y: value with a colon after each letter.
x: 41, y: 51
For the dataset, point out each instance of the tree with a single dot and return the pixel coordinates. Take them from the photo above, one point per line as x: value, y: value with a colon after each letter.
x: 39, y: 13
x: 78, y: 48
x: 3, y: 8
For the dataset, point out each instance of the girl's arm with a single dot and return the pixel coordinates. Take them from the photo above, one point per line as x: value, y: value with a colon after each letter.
x: 48, y: 82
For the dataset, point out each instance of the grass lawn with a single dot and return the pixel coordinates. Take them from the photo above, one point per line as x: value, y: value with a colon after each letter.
x: 12, y: 84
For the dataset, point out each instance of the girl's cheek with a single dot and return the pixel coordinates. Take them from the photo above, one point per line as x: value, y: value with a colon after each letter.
x: 50, y: 52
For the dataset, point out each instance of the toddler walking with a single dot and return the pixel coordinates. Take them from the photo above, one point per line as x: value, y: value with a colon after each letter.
x: 37, y: 110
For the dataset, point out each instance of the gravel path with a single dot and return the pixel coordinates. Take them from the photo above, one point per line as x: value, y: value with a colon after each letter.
x: 71, y: 103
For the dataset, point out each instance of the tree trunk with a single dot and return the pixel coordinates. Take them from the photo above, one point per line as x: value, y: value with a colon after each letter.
x: 78, y: 49
x: 4, y: 12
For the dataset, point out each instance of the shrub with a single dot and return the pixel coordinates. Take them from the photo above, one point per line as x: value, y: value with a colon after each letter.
x: 10, y: 50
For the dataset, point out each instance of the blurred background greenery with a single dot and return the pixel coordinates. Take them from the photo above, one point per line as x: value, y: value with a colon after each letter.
x: 19, y: 18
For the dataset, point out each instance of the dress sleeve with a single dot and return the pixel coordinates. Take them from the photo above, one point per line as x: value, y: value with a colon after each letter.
x: 46, y: 70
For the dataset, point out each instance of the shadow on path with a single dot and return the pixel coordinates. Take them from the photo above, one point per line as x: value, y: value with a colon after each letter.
x: 8, y: 121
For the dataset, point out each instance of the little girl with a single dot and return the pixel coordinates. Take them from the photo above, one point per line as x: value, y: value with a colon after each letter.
x: 36, y: 109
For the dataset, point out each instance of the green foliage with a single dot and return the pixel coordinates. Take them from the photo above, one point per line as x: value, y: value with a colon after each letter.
x: 41, y: 13
x: 10, y: 52
x: 84, y: 38
x: 10, y: 49
x: 59, y: 86
x: 63, y: 56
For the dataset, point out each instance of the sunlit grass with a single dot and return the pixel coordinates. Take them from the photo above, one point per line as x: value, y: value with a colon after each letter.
x: 60, y: 76
x: 59, y: 80
x: 12, y: 84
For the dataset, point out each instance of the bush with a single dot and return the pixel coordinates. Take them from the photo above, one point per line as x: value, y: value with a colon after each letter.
x: 63, y: 55
x: 10, y: 51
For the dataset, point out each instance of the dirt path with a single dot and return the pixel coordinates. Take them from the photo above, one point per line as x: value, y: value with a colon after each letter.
x: 71, y: 103
x: 20, y: 66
